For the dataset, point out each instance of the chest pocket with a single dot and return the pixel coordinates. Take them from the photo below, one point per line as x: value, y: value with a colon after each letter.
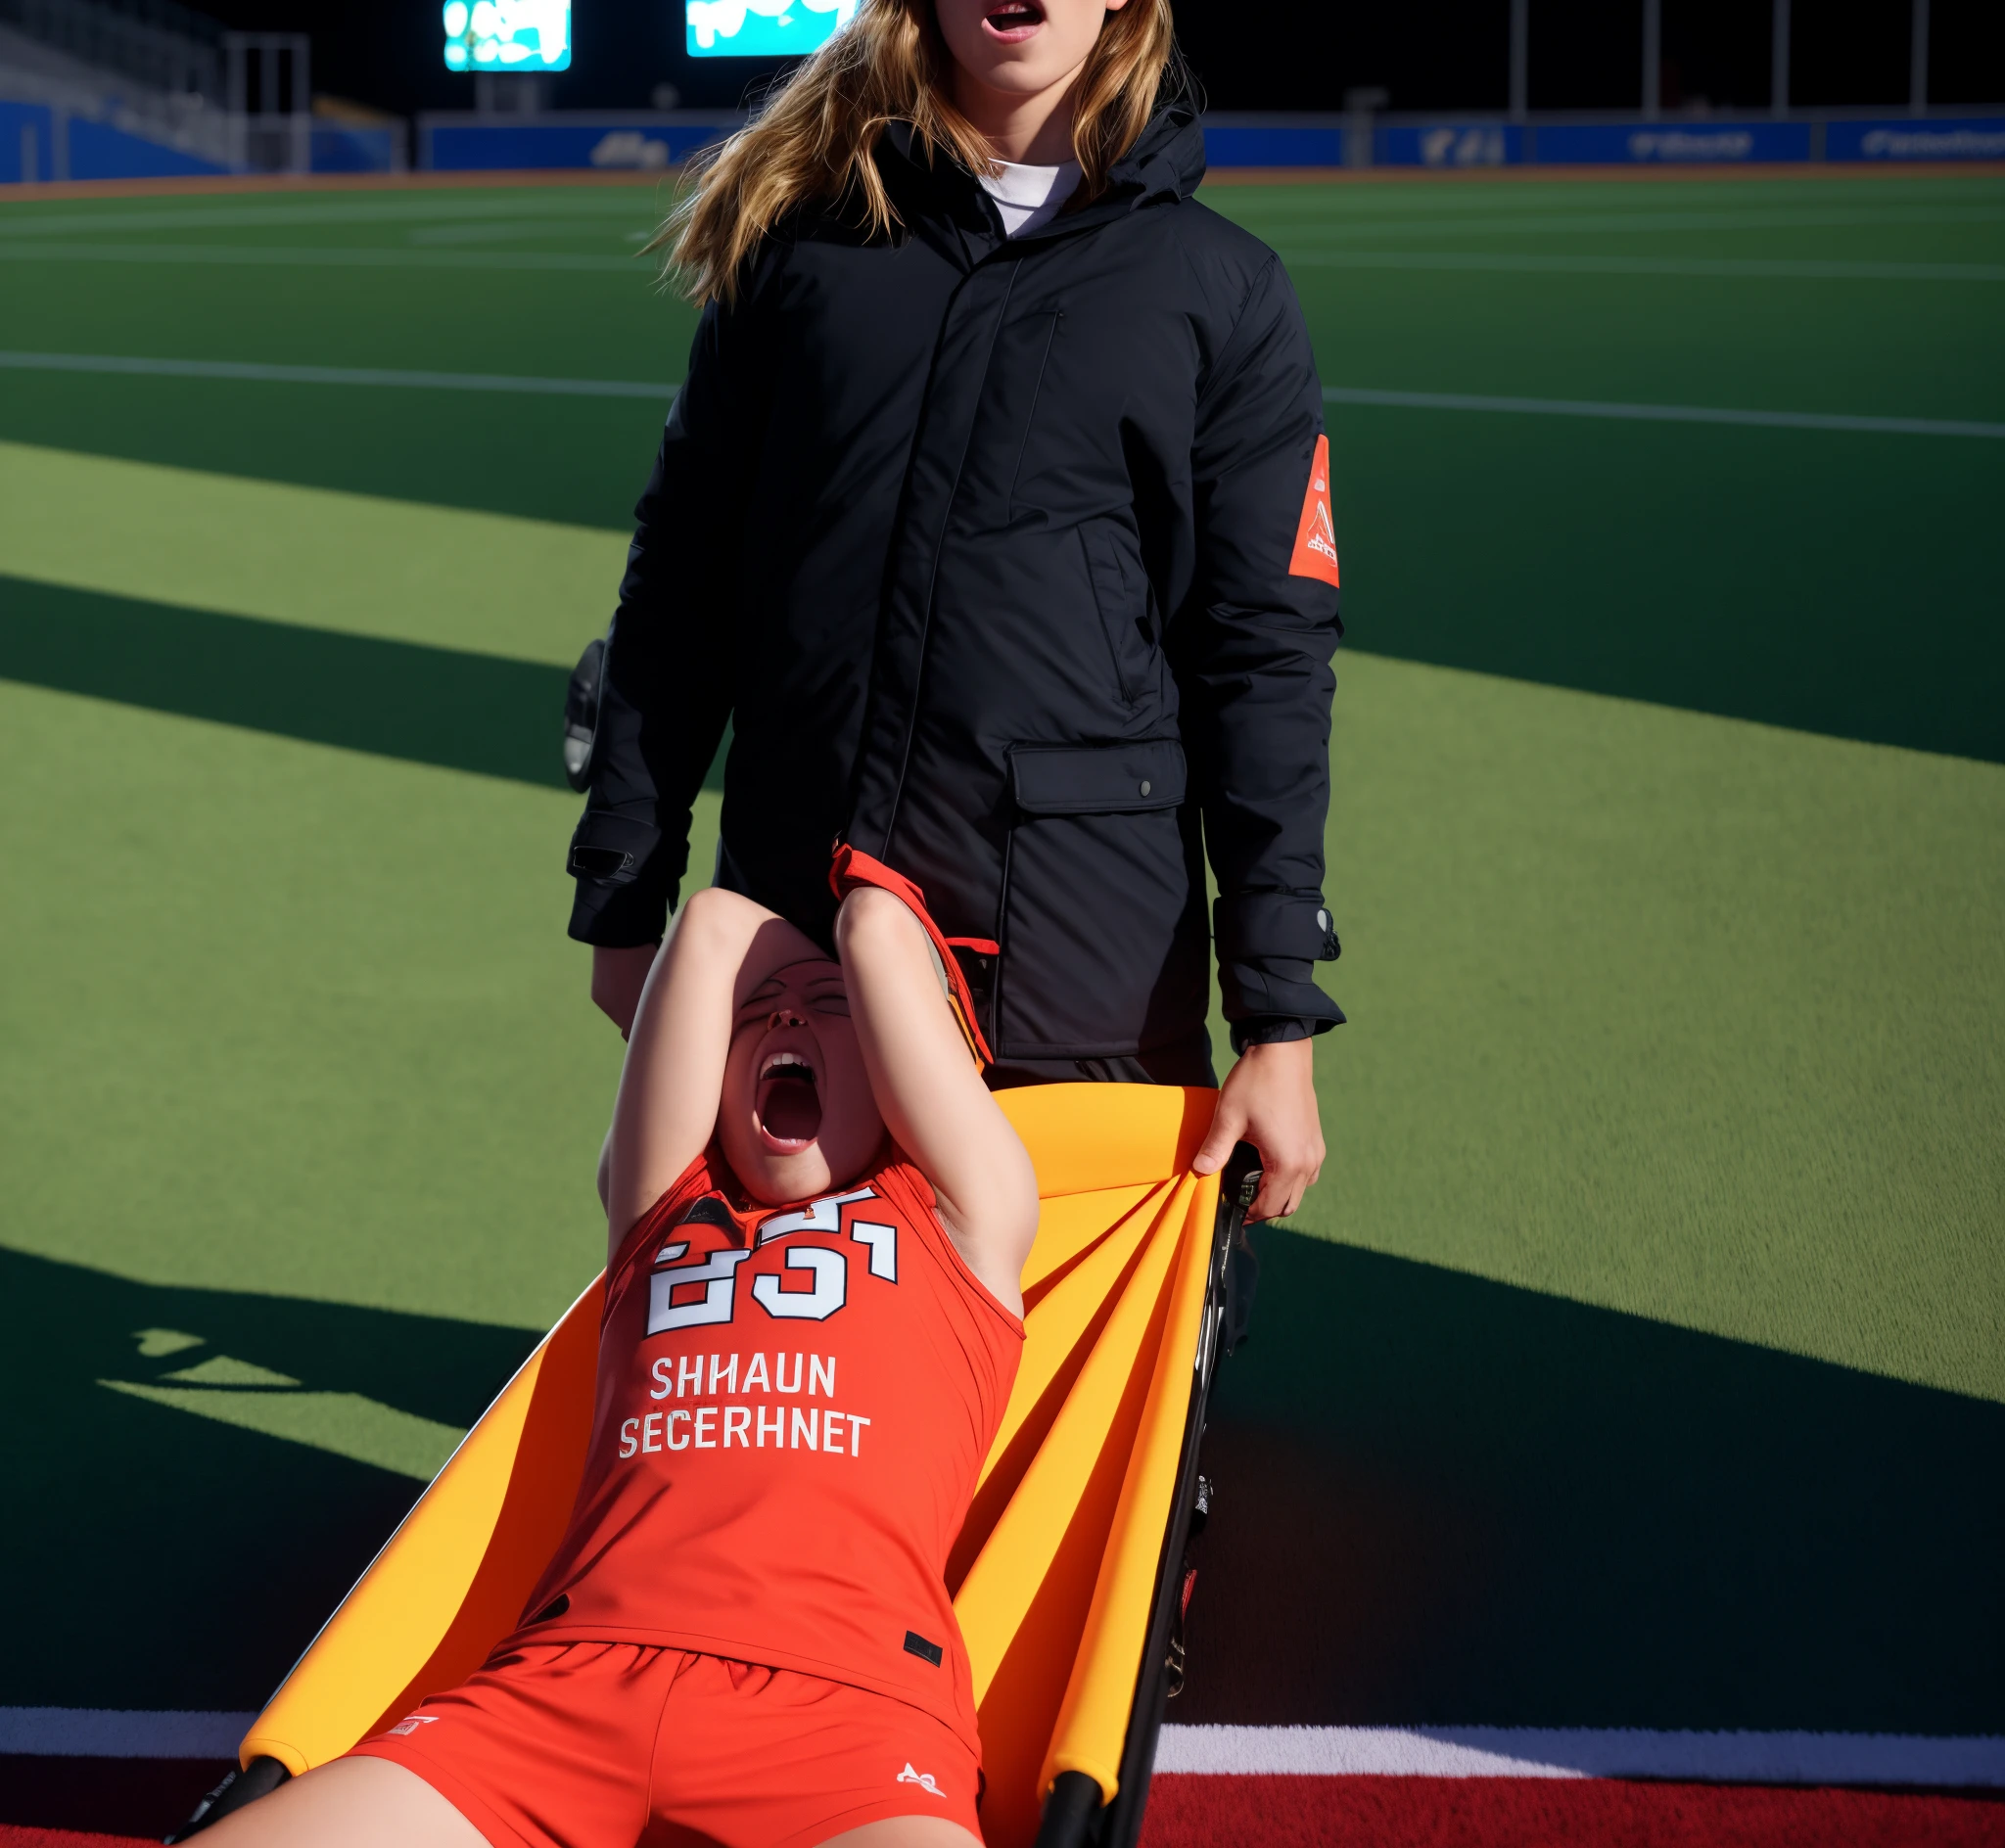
x: 1023, y: 355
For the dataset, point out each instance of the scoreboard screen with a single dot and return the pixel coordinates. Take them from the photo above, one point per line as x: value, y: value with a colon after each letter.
x: 527, y: 36
x: 763, y: 28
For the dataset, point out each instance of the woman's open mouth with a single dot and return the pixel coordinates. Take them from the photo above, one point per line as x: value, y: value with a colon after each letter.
x: 1013, y: 20
x: 786, y: 1105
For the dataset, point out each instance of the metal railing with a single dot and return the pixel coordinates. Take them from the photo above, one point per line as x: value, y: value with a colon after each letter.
x: 155, y: 44
x: 157, y: 70
x: 272, y: 70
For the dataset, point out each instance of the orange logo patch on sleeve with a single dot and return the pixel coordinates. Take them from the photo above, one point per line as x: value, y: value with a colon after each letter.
x: 1316, y: 536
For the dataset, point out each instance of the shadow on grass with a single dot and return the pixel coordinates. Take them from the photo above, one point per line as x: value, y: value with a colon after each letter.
x: 1445, y: 1500
x: 395, y: 698
x: 1440, y: 1500
x: 1835, y: 583
x: 161, y: 1559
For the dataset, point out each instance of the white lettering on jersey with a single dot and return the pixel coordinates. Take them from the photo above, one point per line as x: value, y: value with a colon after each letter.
x: 883, y: 1243
x: 923, y: 1778
x: 831, y: 1287
x: 716, y: 1273
x: 818, y: 1428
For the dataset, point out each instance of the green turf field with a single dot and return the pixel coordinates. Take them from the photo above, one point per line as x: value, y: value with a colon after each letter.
x: 1646, y: 1336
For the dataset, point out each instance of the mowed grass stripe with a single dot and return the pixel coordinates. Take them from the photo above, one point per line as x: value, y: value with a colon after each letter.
x: 1641, y: 220
x: 306, y: 255
x: 1660, y: 413
x: 257, y: 372
x: 1689, y: 1018
x: 1797, y: 268
x: 317, y: 1009
x: 528, y: 589
x: 560, y: 205
x: 1672, y: 1014
x: 320, y: 256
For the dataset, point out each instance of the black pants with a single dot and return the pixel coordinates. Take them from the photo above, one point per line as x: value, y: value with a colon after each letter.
x: 1188, y: 1062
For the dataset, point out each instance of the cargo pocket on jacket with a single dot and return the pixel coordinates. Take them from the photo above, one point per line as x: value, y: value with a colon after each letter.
x: 1105, y: 944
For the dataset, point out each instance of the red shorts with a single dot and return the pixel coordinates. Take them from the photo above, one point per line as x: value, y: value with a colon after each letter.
x: 600, y: 1745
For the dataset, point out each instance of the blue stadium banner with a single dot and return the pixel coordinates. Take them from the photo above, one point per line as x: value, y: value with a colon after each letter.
x: 763, y: 28
x: 1669, y: 144
x: 602, y: 142
x: 1271, y: 144
x: 27, y: 143
x: 1449, y: 145
x: 1976, y: 138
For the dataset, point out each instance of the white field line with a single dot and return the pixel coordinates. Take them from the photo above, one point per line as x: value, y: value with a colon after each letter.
x: 1662, y: 413
x: 1802, y: 268
x: 257, y: 372
x: 260, y: 374
x: 114, y: 1733
x: 1485, y: 1751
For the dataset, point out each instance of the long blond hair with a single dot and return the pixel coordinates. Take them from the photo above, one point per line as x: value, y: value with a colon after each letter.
x: 815, y: 136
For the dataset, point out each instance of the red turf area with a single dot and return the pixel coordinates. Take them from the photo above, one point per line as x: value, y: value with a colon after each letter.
x: 1213, y: 1812
x: 1185, y: 1811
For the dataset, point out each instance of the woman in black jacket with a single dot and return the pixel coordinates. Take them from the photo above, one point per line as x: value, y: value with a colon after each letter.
x: 993, y: 515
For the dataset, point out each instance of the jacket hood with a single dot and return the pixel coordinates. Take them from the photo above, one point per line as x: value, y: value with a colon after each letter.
x: 1167, y: 159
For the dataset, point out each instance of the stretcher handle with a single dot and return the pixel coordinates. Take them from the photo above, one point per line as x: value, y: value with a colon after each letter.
x: 1076, y: 1813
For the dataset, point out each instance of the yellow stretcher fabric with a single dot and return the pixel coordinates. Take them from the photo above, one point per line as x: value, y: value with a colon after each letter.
x: 1056, y: 1569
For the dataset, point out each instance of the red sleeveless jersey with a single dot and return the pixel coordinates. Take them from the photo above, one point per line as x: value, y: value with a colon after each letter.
x: 793, y: 1405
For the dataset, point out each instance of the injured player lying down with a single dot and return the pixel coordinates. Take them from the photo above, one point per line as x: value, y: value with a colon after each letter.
x: 819, y: 1220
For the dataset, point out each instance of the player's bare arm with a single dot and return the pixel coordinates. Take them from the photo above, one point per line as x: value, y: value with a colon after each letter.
x: 931, y: 1095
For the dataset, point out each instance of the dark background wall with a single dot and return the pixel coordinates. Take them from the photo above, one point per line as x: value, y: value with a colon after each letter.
x: 1304, y: 55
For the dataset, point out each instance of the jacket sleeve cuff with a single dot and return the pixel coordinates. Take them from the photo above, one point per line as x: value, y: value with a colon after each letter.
x: 1268, y: 943
x: 1254, y: 925
x: 621, y: 899
x: 1274, y: 1030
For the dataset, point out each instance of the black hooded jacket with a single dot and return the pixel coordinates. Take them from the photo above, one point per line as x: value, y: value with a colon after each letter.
x: 982, y: 545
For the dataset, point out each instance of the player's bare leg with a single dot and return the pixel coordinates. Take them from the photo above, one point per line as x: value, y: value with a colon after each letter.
x: 905, y: 1832
x: 371, y: 1803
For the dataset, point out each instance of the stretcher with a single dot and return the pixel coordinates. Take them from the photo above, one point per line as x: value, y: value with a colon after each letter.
x: 1069, y: 1574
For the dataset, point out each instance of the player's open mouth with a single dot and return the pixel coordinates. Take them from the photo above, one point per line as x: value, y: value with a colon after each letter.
x: 786, y: 1103
x: 1013, y: 20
